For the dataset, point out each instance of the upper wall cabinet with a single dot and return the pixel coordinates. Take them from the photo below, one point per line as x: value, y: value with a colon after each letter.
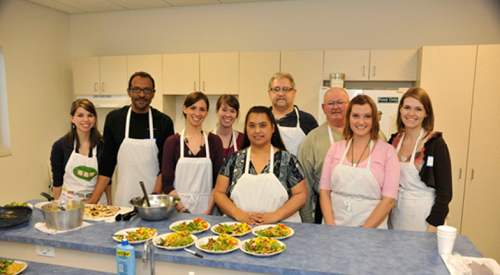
x: 151, y: 64
x: 105, y: 75
x: 211, y: 73
x: 374, y: 65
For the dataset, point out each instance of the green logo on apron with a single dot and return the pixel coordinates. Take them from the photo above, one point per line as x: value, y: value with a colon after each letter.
x: 85, y: 173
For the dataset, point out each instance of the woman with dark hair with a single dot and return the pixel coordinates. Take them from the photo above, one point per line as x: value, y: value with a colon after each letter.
x: 74, y: 157
x: 227, y: 110
x: 263, y: 183
x: 191, y: 159
x: 360, y: 177
x: 425, y: 185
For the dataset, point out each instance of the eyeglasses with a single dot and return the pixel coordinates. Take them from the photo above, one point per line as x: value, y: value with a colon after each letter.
x: 145, y: 90
x: 284, y: 89
x: 339, y: 103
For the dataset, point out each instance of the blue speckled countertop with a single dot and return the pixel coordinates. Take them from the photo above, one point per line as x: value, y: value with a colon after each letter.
x: 313, y: 249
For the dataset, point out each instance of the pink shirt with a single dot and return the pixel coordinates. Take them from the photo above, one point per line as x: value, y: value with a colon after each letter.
x: 384, y: 166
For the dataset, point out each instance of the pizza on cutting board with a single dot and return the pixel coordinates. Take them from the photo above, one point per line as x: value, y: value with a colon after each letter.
x: 95, y: 211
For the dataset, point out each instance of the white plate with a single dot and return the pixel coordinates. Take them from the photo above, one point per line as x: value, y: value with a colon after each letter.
x: 230, y: 223
x: 156, y: 240
x: 243, y: 245
x: 204, y: 241
x: 124, y: 232
x: 122, y: 211
x: 260, y: 227
x: 20, y: 262
x: 187, y: 222
x: 40, y: 204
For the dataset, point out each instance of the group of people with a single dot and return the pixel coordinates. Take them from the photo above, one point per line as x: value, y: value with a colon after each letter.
x: 284, y: 167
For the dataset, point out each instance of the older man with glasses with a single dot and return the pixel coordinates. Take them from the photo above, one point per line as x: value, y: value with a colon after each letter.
x: 133, y: 140
x: 293, y: 123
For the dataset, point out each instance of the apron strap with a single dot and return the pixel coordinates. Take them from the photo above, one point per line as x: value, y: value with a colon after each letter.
x: 94, y: 150
x: 412, y: 159
x: 330, y: 135
x: 298, y: 118
x: 234, y: 142
x: 271, y: 160
x: 150, y: 120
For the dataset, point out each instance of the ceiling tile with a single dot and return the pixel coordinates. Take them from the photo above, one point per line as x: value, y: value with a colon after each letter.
x: 179, y: 3
x: 92, y: 5
x: 142, y: 4
x: 57, y: 6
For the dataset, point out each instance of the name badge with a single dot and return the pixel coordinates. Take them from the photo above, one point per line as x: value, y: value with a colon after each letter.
x: 430, y: 161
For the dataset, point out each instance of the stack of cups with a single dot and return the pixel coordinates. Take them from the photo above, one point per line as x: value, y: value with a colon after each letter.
x: 446, y: 236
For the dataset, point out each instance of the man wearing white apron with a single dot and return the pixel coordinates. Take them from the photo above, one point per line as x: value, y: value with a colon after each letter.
x: 193, y: 179
x: 415, y: 198
x: 261, y: 193
x: 293, y: 124
x: 80, y: 176
x: 133, y: 141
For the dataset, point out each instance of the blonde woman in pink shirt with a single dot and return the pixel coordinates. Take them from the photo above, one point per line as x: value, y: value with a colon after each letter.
x: 360, y: 177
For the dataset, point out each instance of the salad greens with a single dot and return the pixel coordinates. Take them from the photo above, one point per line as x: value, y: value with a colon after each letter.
x: 233, y: 229
x: 177, y: 239
x: 279, y: 230
x: 197, y: 224
x: 264, y: 245
x: 222, y: 243
x: 140, y: 234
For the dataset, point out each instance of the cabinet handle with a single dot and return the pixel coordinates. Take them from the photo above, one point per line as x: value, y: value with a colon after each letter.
x: 363, y: 70
x: 194, y: 86
x: 103, y: 87
x: 460, y: 173
x: 374, y: 70
x: 472, y: 175
x: 203, y: 85
x: 95, y: 86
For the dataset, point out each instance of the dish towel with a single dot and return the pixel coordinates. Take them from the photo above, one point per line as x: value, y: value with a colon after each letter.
x: 460, y: 265
x: 41, y: 226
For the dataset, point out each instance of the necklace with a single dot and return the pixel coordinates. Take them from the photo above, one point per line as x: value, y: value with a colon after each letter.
x: 352, y: 153
x: 187, y: 142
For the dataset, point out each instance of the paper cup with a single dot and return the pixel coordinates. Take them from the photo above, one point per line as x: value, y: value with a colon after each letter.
x: 445, y: 244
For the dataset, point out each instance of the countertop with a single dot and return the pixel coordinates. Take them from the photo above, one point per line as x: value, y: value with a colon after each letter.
x: 313, y: 249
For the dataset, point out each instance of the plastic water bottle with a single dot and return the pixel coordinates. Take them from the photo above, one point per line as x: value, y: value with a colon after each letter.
x: 125, y: 258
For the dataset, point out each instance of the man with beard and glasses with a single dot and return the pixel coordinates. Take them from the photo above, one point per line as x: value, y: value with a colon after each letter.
x: 133, y: 141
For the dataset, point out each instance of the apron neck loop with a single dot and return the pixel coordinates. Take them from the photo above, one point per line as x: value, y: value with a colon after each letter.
x: 412, y: 159
x: 150, y: 121
x: 271, y: 160
x: 330, y: 135
x: 368, y: 165
x: 207, y: 151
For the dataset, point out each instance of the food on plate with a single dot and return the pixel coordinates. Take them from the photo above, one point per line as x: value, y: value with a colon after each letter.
x: 14, y: 203
x: 279, y: 230
x: 95, y: 211
x: 197, y: 224
x: 177, y: 239
x: 8, y: 267
x: 222, y: 243
x: 264, y: 245
x: 233, y: 229
x: 141, y: 234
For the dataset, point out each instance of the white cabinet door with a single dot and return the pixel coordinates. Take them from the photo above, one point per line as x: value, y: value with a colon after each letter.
x: 481, y: 218
x: 256, y: 69
x: 181, y: 73
x: 86, y: 76
x: 219, y: 73
x: 393, y: 65
x: 447, y: 74
x: 151, y: 64
x: 354, y: 64
x: 113, y: 72
x: 306, y: 67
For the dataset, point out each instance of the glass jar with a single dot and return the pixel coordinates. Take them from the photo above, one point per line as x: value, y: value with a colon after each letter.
x: 337, y: 80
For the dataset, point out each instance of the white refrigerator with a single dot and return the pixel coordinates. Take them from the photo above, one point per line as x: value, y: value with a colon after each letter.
x: 387, y: 101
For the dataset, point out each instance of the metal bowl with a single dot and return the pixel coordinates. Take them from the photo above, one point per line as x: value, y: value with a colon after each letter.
x: 162, y: 206
x: 14, y: 215
x: 69, y: 218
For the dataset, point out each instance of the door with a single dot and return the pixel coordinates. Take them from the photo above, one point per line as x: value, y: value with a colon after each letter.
x: 181, y: 73
x: 113, y: 72
x: 354, y: 64
x: 219, y: 73
x: 86, y: 76
x: 393, y: 65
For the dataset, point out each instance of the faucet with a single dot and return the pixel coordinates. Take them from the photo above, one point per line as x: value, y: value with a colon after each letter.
x: 148, y: 247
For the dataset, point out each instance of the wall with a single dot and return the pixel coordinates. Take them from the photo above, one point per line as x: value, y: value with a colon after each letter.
x: 36, y: 45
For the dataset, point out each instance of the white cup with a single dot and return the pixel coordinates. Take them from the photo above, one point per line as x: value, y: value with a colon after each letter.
x: 446, y: 236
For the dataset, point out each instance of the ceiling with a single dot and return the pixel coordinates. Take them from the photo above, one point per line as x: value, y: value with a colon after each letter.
x: 91, y: 6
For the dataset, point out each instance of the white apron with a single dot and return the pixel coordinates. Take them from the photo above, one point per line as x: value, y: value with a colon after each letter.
x: 355, y: 193
x: 80, y: 176
x: 137, y: 161
x: 234, y: 140
x: 193, y: 179
x: 292, y: 136
x: 262, y: 192
x: 415, y: 199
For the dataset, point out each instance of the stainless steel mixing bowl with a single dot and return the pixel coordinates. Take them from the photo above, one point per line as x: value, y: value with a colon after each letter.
x: 162, y: 206
x: 69, y: 218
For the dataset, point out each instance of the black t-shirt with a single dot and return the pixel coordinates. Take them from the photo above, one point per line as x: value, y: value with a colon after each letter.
x: 307, y: 121
x: 114, y: 133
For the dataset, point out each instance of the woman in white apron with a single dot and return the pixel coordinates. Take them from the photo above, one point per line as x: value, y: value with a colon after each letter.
x: 74, y: 157
x: 227, y: 111
x: 191, y: 159
x: 425, y: 186
x: 360, y: 177
x: 248, y: 187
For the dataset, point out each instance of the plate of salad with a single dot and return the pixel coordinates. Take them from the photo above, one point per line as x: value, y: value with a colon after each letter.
x: 278, y: 231
x: 195, y: 226
x: 175, y: 240
x: 135, y: 235
x: 11, y: 267
x: 232, y: 228
x: 262, y: 246
x: 218, y: 244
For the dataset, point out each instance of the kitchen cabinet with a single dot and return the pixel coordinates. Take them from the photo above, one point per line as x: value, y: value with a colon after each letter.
x: 256, y: 69
x: 374, y: 65
x: 105, y: 75
x: 151, y: 64
x: 211, y: 73
x: 462, y: 81
x: 306, y: 67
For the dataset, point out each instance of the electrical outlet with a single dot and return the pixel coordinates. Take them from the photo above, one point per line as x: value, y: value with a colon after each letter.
x: 47, y: 251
